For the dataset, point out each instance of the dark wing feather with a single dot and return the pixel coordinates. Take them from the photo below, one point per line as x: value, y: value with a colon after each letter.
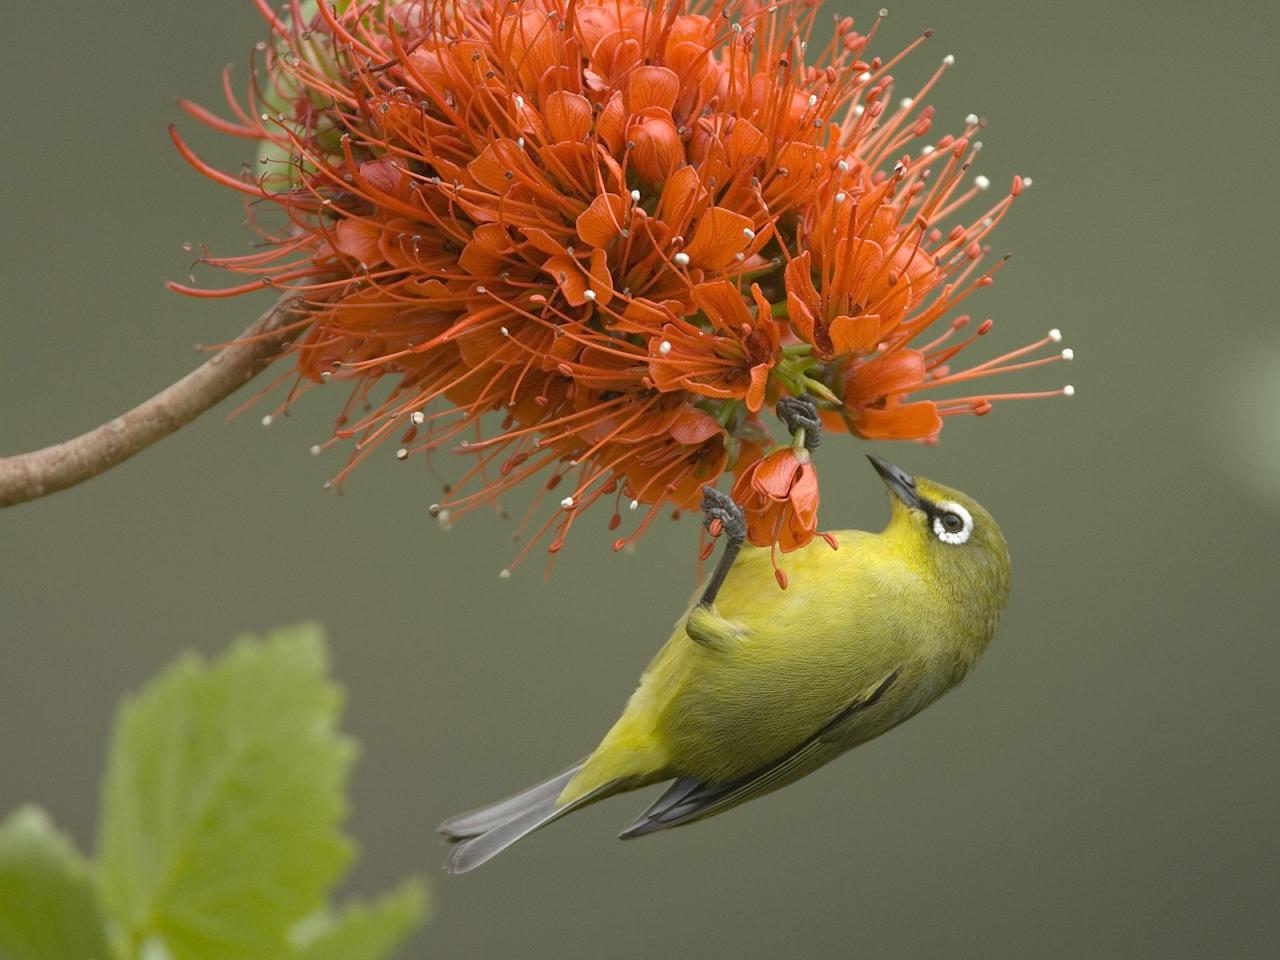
x: 689, y: 799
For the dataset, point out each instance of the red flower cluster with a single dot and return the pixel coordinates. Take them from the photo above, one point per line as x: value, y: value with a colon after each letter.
x: 621, y: 227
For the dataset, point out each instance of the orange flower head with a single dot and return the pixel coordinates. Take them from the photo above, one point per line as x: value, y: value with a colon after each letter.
x: 586, y: 242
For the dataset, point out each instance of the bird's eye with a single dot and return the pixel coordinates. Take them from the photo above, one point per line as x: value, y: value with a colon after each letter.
x: 952, y: 523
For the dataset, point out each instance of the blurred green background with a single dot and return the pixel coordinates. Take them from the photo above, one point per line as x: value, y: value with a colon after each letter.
x: 1105, y: 784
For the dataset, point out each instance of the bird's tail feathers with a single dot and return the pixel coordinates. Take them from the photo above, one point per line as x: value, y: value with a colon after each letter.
x: 481, y: 835
x: 475, y: 822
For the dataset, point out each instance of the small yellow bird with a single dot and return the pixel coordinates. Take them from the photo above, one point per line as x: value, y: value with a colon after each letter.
x: 758, y: 687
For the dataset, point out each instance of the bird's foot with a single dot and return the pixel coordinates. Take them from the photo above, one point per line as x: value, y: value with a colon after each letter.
x: 718, y: 505
x: 801, y: 413
x: 719, y: 508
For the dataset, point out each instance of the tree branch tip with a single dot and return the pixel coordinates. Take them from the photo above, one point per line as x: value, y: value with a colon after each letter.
x: 29, y: 476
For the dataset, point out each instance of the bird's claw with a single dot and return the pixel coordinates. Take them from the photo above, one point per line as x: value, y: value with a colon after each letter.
x: 718, y: 505
x: 801, y: 413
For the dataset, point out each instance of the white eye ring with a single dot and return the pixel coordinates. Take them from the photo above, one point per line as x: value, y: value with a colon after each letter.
x: 947, y: 536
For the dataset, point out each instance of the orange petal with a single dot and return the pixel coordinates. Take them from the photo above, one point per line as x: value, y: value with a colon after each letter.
x: 644, y: 315
x: 908, y: 421
x: 359, y: 239
x: 723, y: 305
x: 800, y: 318
x: 693, y: 426
x: 493, y: 167
x: 681, y: 195
x: 802, y: 297
x: 568, y: 116
x: 855, y: 335
x: 745, y: 144
x: 804, y: 497
x: 601, y: 221
x: 568, y: 275
x: 717, y: 238
x: 485, y: 251
x: 767, y: 332
x: 893, y: 373
x: 776, y: 473
x: 611, y: 126
x: 755, y: 392
x: 658, y: 151
x: 652, y: 87
x: 803, y: 163
x: 542, y: 241
x: 383, y: 175
x: 601, y: 279
x: 690, y: 28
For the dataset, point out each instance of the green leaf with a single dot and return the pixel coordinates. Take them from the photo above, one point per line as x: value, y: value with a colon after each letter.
x: 224, y: 793
x: 364, y: 931
x: 46, y: 895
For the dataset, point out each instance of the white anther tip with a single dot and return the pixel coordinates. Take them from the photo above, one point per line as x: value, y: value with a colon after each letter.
x: 268, y: 420
x: 864, y: 77
x: 1068, y: 354
x: 635, y: 505
x: 884, y: 11
x: 504, y: 331
x: 813, y: 100
x: 981, y: 182
x: 316, y: 450
x: 971, y: 120
x: 589, y: 294
x: 681, y: 259
x: 418, y: 417
x: 402, y: 453
x: 840, y: 197
x: 664, y: 347
x: 949, y: 59
x: 748, y: 233
x: 567, y: 503
x: 504, y: 574
x: 1068, y: 391
x: 905, y: 103
x: 1055, y: 335
x: 635, y: 196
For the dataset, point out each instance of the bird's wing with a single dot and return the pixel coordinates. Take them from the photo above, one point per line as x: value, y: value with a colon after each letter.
x: 689, y: 799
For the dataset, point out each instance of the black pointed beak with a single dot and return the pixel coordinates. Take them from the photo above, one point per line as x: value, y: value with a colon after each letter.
x: 900, y: 483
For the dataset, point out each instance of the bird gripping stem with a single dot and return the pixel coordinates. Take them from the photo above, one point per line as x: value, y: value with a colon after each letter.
x: 800, y: 416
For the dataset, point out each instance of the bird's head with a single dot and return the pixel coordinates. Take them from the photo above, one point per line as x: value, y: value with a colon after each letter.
x: 947, y: 532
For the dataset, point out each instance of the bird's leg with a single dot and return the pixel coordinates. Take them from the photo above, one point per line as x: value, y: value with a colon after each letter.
x: 800, y: 416
x: 717, y: 505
